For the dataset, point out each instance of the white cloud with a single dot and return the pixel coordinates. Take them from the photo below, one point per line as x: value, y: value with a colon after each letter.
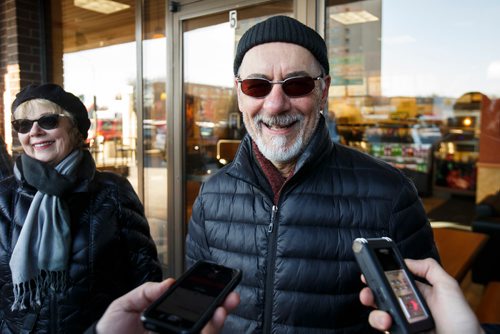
x: 494, y: 70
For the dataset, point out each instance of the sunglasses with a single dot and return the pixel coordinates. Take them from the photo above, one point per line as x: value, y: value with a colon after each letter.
x: 47, y: 122
x: 293, y: 87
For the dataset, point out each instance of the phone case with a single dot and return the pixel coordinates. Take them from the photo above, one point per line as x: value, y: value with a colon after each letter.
x: 385, y: 295
x: 161, y: 322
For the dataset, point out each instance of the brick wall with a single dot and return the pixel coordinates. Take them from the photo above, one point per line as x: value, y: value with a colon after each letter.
x: 22, y: 51
x: 30, y: 42
x: 7, y: 21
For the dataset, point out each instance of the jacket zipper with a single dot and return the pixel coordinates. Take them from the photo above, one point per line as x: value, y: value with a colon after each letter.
x: 273, y: 217
x: 268, y: 293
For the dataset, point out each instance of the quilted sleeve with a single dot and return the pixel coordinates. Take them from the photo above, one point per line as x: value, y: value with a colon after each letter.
x: 141, y: 248
x: 410, y: 226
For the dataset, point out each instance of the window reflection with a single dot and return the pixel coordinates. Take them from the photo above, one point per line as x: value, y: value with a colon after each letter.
x: 209, y: 100
x: 401, y: 70
x: 95, y: 49
x: 104, y: 79
x: 98, y: 50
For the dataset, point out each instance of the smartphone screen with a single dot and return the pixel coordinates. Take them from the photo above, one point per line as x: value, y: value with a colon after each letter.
x: 400, y: 284
x: 191, y: 301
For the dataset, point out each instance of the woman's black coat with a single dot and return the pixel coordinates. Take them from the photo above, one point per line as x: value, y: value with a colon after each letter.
x: 112, y: 252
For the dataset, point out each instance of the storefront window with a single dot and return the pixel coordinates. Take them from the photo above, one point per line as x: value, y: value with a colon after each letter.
x: 96, y: 49
x: 105, y: 79
x: 96, y: 43
x: 401, y: 71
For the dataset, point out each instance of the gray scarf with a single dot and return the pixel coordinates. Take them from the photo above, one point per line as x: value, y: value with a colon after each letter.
x: 40, y: 257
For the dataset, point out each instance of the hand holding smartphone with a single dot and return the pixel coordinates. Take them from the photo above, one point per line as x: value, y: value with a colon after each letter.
x: 189, y: 304
x: 392, y: 284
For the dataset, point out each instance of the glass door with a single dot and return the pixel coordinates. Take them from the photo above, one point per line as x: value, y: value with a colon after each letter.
x: 213, y: 124
x: 154, y: 124
x: 121, y: 78
x: 95, y: 48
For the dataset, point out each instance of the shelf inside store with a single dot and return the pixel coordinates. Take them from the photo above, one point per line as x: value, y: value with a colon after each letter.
x: 454, y: 191
x: 410, y: 163
x: 455, y: 167
x: 407, y: 146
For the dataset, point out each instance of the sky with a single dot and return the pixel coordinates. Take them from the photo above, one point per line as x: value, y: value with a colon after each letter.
x: 440, y: 47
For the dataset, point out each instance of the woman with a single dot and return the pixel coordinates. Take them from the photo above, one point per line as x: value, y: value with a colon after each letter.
x: 72, y: 239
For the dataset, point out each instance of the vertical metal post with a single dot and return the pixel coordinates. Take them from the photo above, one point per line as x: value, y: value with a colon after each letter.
x: 139, y: 98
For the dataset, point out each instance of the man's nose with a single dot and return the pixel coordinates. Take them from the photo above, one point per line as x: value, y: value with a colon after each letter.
x: 276, y: 101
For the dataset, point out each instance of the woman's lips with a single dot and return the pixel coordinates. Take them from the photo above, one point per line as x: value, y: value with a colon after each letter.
x: 42, y: 145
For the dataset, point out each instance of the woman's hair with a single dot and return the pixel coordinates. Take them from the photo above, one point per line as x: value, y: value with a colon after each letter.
x: 31, y: 106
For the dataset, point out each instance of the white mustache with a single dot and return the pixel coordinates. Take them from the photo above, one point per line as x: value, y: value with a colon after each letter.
x: 279, y: 120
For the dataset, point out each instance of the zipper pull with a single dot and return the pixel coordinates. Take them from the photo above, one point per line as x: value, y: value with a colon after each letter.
x: 273, y: 216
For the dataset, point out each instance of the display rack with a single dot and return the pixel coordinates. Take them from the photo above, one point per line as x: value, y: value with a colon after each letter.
x: 407, y: 146
x: 455, y: 163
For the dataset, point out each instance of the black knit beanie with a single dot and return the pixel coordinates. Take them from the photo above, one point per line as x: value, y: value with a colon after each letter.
x: 282, y: 29
x: 59, y: 96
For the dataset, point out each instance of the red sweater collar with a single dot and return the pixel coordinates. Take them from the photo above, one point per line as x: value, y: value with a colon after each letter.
x: 273, y: 175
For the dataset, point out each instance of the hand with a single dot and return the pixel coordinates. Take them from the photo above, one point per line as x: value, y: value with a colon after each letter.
x: 445, y: 299
x: 123, y: 314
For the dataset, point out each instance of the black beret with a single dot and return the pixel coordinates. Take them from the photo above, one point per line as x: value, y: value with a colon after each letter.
x: 282, y: 29
x: 59, y: 96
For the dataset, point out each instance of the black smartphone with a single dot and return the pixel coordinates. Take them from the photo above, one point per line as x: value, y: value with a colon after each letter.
x: 392, y: 284
x: 191, y: 301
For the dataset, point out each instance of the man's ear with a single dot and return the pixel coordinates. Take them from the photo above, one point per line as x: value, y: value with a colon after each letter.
x: 236, y: 87
x: 325, y: 88
x: 237, y: 93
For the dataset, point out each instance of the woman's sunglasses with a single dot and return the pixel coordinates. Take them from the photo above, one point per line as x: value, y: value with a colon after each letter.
x: 293, y: 87
x: 47, y: 122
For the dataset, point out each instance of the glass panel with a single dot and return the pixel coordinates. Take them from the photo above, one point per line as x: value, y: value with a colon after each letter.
x: 155, y: 114
x: 99, y: 66
x: 213, y: 124
x: 99, y: 62
x: 406, y: 74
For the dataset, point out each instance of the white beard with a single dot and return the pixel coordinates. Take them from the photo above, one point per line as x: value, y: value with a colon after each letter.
x: 277, y: 151
x: 278, y: 148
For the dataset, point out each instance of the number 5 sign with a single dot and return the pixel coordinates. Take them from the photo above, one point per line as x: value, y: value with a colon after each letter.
x: 233, y: 19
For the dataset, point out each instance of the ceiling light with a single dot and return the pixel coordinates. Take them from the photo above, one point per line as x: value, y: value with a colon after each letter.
x: 467, y: 121
x: 354, y: 17
x: 101, y: 6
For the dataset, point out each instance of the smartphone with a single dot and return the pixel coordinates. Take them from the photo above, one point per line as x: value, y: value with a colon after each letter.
x: 191, y: 301
x: 392, y: 284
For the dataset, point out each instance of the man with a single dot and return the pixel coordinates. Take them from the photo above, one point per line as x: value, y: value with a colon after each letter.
x: 287, y: 209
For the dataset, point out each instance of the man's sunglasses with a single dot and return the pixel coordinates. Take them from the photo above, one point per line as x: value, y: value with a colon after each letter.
x: 293, y: 87
x: 47, y: 122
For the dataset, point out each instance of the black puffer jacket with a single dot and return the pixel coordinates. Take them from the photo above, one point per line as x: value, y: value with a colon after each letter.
x: 5, y: 161
x: 112, y: 252
x: 299, y: 271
